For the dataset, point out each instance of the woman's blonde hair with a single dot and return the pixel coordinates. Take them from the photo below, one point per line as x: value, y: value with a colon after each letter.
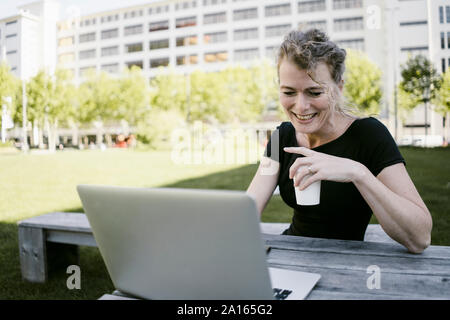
x: 306, y: 50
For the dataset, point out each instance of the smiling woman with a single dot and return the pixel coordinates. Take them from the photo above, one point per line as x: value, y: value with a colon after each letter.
x: 356, y: 159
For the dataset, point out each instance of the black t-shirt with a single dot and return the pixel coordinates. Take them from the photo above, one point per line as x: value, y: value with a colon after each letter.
x: 342, y: 212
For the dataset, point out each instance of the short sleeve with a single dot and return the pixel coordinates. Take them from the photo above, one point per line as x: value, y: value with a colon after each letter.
x: 382, y: 150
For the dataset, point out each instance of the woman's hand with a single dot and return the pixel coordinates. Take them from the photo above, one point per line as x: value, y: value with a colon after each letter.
x: 321, y: 166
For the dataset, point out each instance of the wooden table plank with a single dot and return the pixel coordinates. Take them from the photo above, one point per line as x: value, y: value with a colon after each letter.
x: 353, y: 247
x: 354, y: 282
x: 337, y: 261
x: 60, y: 221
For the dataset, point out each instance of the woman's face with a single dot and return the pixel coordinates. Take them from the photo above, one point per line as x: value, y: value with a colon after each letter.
x: 307, y: 102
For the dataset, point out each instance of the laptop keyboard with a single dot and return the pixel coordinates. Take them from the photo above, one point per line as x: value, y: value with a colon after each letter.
x: 280, y: 294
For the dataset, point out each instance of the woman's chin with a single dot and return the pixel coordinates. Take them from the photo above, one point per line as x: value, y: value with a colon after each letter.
x: 302, y: 126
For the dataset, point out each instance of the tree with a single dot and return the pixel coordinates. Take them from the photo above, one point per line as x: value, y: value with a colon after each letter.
x: 9, y: 86
x: 363, y: 83
x: 420, y: 81
x: 133, y: 96
x: 61, y: 104
x: 442, y: 101
x: 38, y: 95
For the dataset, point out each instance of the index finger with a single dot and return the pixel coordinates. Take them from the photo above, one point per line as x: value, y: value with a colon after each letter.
x: 299, y: 150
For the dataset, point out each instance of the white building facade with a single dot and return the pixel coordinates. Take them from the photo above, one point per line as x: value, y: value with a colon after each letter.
x: 211, y: 34
x: 27, y: 40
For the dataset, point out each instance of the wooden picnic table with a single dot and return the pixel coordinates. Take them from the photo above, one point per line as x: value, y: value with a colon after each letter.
x: 343, y: 264
x: 348, y: 268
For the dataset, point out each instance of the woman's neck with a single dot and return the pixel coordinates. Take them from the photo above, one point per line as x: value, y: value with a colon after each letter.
x: 335, y: 128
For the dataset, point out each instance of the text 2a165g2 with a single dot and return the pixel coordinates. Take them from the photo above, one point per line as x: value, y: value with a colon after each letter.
x: 247, y: 309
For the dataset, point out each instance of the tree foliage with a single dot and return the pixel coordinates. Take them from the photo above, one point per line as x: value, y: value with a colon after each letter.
x: 9, y: 87
x: 442, y: 98
x: 420, y: 79
x: 363, y: 83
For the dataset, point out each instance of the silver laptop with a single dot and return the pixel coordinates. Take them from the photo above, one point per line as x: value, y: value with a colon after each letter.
x: 184, y: 244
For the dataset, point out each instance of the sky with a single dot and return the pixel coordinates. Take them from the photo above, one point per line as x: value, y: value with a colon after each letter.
x: 9, y: 7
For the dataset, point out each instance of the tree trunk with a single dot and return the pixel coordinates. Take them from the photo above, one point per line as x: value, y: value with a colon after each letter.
x: 446, y: 126
x: 50, y: 136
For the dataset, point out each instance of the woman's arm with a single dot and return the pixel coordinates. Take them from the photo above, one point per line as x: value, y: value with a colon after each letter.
x: 391, y: 195
x: 264, y: 182
x: 397, y: 205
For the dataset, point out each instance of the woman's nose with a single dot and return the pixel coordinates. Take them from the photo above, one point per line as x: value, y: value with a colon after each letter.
x: 301, y: 103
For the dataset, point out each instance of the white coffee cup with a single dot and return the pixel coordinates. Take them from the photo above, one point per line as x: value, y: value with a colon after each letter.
x: 309, y: 196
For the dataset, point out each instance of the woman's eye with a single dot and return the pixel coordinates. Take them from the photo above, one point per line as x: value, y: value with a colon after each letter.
x: 289, y: 93
x: 315, y: 94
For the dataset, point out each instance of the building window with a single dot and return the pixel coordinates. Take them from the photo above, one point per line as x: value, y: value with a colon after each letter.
x: 214, y: 18
x: 356, y: 44
x: 443, y: 65
x: 157, y: 26
x: 65, y: 42
x: 158, y: 9
x: 311, y: 6
x: 159, y: 44
x: 110, y: 68
x: 347, y: 4
x: 110, y: 34
x: 442, y: 40
x: 88, y: 22
x: 413, y: 23
x: 87, y: 54
x: 131, y: 30
x: 186, y: 41
x: 213, y: 2
x: 348, y: 24
x: 84, y: 71
x: 317, y: 24
x: 245, y: 14
x: 66, y: 58
x: 187, y: 60
x: 87, y: 37
x: 139, y: 64
x: 11, y: 22
x: 246, y: 34
x: 11, y: 36
x: 110, y: 51
x: 161, y: 62
x: 215, y: 37
x: 212, y: 57
x: 185, y: 5
x: 246, y: 54
x: 134, y: 47
x: 277, y: 31
x: 186, y: 22
x: 11, y: 52
x: 441, y: 14
x: 448, y: 40
x: 133, y: 14
x: 415, y: 50
x: 278, y: 10
x: 109, y: 18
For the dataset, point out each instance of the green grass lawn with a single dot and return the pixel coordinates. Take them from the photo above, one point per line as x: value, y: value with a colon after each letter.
x: 31, y: 185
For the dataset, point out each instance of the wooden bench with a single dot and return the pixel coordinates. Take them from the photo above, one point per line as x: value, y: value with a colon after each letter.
x: 51, y: 241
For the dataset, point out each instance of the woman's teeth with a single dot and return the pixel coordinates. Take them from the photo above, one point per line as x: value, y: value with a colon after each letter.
x: 305, y: 117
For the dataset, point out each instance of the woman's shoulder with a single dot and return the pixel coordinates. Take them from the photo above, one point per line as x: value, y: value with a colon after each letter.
x: 370, y: 125
x: 371, y: 130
